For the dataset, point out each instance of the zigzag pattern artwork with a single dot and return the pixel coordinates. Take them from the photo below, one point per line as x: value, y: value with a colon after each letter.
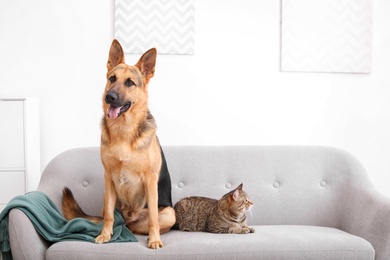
x: 326, y: 36
x: 167, y: 25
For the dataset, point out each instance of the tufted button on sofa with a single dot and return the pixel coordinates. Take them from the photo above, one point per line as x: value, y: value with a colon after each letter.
x: 308, y: 203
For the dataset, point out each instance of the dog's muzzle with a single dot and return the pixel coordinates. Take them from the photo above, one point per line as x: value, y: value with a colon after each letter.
x: 116, y: 106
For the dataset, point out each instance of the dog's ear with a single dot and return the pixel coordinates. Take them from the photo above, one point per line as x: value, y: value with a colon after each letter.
x: 147, y: 62
x: 116, y: 55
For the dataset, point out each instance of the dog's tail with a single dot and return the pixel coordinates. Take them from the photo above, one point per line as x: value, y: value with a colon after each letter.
x: 71, y: 208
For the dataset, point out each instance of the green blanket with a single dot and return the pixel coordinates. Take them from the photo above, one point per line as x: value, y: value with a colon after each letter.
x: 52, y: 226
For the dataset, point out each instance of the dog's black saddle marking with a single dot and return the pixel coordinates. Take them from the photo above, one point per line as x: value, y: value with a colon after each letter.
x: 164, y: 185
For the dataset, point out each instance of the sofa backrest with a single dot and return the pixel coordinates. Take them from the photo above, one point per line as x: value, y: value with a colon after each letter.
x: 288, y: 184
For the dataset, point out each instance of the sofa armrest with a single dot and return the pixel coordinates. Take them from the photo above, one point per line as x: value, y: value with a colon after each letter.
x: 26, y: 243
x: 367, y: 215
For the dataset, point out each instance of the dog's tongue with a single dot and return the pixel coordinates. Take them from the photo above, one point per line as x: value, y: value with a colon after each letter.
x: 113, y: 112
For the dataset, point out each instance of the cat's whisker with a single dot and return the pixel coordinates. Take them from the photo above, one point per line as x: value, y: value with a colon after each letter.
x: 250, y: 211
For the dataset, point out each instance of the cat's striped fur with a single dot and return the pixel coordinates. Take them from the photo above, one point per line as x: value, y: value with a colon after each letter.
x: 226, y: 215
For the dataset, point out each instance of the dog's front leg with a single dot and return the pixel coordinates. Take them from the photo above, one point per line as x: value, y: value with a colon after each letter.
x: 108, y: 210
x: 154, y: 241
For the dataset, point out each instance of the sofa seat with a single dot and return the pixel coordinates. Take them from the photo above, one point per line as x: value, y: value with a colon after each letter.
x: 268, y: 242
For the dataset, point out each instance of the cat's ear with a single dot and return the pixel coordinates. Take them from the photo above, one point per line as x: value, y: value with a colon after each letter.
x: 237, y: 192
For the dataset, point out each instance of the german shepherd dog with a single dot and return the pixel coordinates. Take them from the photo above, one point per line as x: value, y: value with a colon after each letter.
x: 131, y: 154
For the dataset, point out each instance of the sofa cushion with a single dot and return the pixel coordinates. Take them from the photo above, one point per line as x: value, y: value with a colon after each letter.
x: 268, y: 242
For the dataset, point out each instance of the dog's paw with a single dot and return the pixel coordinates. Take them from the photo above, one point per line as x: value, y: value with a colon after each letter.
x: 155, y: 244
x: 102, y: 238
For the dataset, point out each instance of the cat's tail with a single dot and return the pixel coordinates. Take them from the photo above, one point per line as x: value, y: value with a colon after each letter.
x: 71, y: 208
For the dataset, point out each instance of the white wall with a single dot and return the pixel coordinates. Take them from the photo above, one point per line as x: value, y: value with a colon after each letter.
x: 230, y: 92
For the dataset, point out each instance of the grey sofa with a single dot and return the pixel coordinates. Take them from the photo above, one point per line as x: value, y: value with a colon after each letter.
x: 309, y: 203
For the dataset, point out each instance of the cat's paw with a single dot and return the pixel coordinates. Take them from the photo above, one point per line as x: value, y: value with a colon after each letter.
x: 247, y: 230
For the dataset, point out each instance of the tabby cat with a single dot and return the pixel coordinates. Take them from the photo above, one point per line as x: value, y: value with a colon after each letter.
x: 226, y: 215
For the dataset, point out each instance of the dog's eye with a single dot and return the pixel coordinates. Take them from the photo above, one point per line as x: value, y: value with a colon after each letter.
x: 129, y: 83
x: 112, y: 79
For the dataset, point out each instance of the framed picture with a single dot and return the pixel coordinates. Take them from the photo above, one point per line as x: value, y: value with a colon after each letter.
x: 326, y: 36
x: 167, y: 25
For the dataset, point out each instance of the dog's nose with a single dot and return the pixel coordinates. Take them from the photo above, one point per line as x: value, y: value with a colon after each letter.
x: 111, y: 97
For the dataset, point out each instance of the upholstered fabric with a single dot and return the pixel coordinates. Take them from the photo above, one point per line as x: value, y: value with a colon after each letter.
x: 268, y: 242
x: 309, y: 203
